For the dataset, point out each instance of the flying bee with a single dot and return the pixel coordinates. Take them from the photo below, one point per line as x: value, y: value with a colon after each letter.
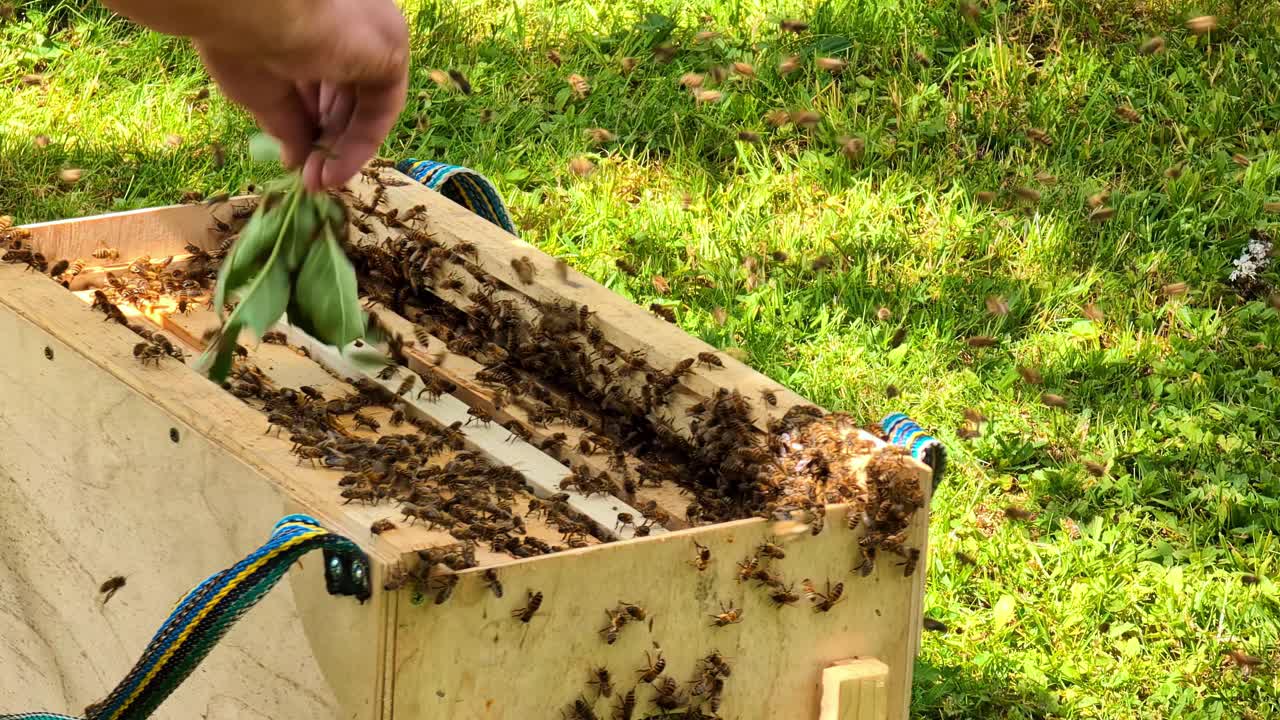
x: 661, y: 285
x: 526, y: 613
x: 986, y: 197
x: 1037, y: 135
x: 997, y: 305
x: 1152, y: 46
x: 1030, y: 375
x: 1014, y: 512
x: 1053, y: 401
x: 491, y: 580
x: 1095, y: 469
x: 702, y: 556
x: 654, y: 667
x: 728, y: 615
x: 581, y: 88
x: 460, y: 81
x: 524, y: 269
x: 1027, y: 194
x: 109, y: 588
x: 981, y: 341
x: 1128, y: 113
x: 831, y: 65
x: 793, y: 26
x: 59, y: 268
x: 769, y: 396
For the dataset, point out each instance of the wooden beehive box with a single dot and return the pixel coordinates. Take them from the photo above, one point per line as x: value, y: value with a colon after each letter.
x: 109, y: 466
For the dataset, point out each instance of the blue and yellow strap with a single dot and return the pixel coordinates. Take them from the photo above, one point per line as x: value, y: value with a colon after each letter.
x: 904, y: 432
x: 466, y: 187
x: 205, y: 614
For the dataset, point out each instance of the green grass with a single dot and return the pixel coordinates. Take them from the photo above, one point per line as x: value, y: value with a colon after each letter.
x: 1179, y: 396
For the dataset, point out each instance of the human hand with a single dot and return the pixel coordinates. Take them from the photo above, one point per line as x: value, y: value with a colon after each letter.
x: 329, y: 88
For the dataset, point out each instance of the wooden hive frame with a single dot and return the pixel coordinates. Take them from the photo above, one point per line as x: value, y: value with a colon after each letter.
x: 109, y: 467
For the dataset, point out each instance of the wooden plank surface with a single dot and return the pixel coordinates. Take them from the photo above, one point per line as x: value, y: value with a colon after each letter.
x: 777, y: 655
x: 155, y: 231
x: 855, y: 690
x: 92, y: 485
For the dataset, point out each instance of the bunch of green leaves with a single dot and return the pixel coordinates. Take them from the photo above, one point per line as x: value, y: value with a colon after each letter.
x: 288, y: 258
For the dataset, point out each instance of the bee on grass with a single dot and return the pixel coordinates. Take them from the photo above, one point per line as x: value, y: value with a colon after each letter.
x: 1102, y: 215
x: 1039, y: 136
x: 581, y: 88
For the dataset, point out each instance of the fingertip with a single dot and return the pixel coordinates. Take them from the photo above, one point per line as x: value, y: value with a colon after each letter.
x: 338, y: 171
x: 313, y: 172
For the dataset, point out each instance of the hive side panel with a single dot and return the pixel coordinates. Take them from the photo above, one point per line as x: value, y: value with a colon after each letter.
x: 93, y: 485
x: 457, y: 660
x: 154, y: 231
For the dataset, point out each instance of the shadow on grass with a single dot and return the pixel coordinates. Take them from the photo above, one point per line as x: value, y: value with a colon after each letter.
x: 954, y: 691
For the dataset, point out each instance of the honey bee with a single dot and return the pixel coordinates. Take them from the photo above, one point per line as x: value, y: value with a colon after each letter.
x: 933, y: 625
x: 702, y: 556
x: 1039, y: 136
x: 986, y: 197
x: 1095, y: 469
x: 653, y: 669
x: 147, y: 352
x: 707, y: 96
x: 1030, y: 375
x: 710, y: 359
x: 495, y: 585
x: 981, y: 341
x: 748, y: 567
x: 1027, y: 194
x: 1128, y: 113
x: 524, y: 269
x: 445, y: 586
x: 728, y: 615
x: 110, y: 587
x: 852, y: 148
x: 807, y: 119
x: 380, y: 526
x: 628, y: 65
x: 106, y: 253
x: 823, y: 601
x: 663, y: 312
x: 831, y: 65
x: 771, y: 550
x: 581, y: 88
x: 748, y: 136
x: 1152, y: 46
x: 59, y: 268
x: 603, y: 682
x: 1053, y: 401
x: 1016, y: 513
x: 626, y: 706
x: 526, y: 613
x: 661, y: 285
x: 785, y: 595
x: 1202, y: 24
x: 460, y: 81
x: 668, y: 696
x: 769, y: 396
x: 793, y: 26
x: 997, y: 305
x: 786, y: 66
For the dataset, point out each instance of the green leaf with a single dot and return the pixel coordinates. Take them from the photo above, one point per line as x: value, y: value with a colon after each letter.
x: 221, y: 352
x: 299, y: 239
x: 1003, y: 611
x: 327, y: 292
x: 265, y: 304
x: 257, y: 240
x: 264, y: 148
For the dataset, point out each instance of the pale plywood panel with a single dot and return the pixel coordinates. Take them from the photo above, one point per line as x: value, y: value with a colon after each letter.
x: 855, y: 690
x: 155, y: 231
x: 461, y: 657
x: 92, y: 486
